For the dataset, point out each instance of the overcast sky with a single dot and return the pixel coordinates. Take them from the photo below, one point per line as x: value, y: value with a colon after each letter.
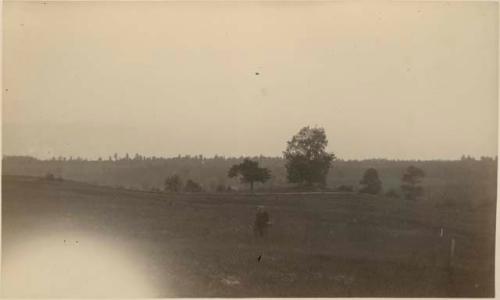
x: 400, y: 80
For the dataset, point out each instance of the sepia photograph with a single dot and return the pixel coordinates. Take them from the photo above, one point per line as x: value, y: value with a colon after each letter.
x: 249, y: 149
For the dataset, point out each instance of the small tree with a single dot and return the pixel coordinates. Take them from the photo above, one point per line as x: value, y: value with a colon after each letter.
x: 250, y: 172
x: 307, y: 161
x: 173, y: 184
x: 410, y: 183
x: 192, y: 187
x: 371, y: 182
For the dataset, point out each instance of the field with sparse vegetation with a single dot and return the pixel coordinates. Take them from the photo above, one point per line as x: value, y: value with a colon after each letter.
x: 329, y: 244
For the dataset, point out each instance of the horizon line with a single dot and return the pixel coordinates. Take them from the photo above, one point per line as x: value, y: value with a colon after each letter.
x: 217, y: 156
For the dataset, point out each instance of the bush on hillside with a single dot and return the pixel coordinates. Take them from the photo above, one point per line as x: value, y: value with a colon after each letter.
x: 192, y: 187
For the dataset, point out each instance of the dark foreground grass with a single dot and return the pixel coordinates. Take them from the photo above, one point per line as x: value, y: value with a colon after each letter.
x: 319, y: 245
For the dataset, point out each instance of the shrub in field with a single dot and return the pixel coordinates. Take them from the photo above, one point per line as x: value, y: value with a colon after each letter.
x: 221, y: 188
x: 392, y: 194
x: 173, y: 184
x: 50, y: 177
x: 250, y: 172
x: 345, y: 188
x: 371, y: 182
x: 307, y: 161
x: 410, y: 183
x: 192, y: 187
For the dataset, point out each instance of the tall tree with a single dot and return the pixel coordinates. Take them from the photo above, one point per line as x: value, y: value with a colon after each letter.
x: 249, y: 172
x: 371, y: 182
x: 410, y: 182
x: 307, y: 161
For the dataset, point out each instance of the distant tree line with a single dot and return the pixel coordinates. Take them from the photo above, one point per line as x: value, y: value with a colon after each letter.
x: 306, y: 164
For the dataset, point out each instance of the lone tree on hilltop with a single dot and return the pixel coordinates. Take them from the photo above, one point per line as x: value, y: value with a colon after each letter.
x: 410, y: 183
x: 250, y: 172
x: 307, y: 161
x: 371, y: 182
x: 173, y: 184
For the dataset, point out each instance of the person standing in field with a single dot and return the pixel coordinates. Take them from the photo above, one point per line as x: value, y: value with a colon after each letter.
x: 262, y: 222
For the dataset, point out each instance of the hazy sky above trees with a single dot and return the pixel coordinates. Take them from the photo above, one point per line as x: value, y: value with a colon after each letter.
x: 400, y: 80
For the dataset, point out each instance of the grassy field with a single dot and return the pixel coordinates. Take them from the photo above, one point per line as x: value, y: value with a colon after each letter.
x: 202, y: 245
